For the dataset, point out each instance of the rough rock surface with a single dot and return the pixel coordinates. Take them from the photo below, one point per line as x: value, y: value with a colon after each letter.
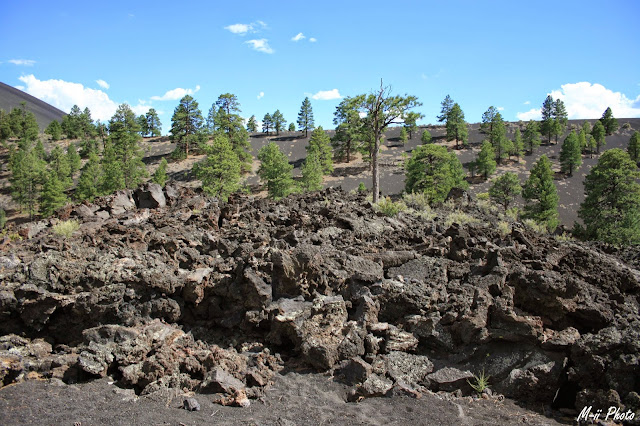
x: 173, y: 289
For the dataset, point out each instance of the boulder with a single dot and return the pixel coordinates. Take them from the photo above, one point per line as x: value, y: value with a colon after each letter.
x: 150, y: 196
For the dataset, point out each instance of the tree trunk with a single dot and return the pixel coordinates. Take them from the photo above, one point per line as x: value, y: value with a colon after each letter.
x: 376, y: 171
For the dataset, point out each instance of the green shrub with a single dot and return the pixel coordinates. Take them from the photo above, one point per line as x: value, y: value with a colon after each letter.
x: 65, y: 228
x: 504, y: 228
x: 459, y: 217
x: 540, y: 228
x: 417, y: 200
x: 513, y: 213
x: 389, y: 208
x: 362, y: 187
x: 3, y: 218
x: 484, y: 196
x: 480, y: 382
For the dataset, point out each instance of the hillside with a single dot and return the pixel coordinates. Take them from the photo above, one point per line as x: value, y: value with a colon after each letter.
x: 10, y: 97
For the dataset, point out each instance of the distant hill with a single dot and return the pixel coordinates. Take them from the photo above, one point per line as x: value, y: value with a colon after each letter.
x: 10, y: 97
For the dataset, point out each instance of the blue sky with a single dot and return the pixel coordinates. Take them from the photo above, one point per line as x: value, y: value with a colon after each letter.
x: 509, y: 54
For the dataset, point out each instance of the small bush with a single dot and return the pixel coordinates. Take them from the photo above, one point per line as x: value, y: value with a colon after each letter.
x: 513, y: 213
x: 389, y: 208
x: 178, y: 155
x: 626, y: 126
x: 3, y: 218
x: 417, y: 200
x: 66, y: 228
x: 459, y: 217
x: 483, y: 196
x: 539, y: 228
x: 565, y: 237
x: 362, y: 187
x: 504, y: 228
x: 481, y: 382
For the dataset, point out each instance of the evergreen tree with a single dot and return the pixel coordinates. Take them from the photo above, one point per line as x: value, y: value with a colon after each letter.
x: 54, y: 129
x: 548, y: 125
x: 5, y: 126
x: 153, y: 125
x: 124, y: 134
x: 447, y: 104
x: 292, y: 127
x: 517, y: 146
x: 582, y: 140
x: 598, y: 133
x: 410, y: 122
x: 541, y: 195
x: 160, y: 175
x: 570, y: 156
x: 72, y: 123
x: 90, y: 181
x: 312, y: 172
x: 229, y: 123
x: 39, y: 150
x: 186, y: 124
x: 426, y: 137
x: 27, y: 171
x: 486, y: 161
x: 210, y: 122
x: 320, y: 143
x: 560, y: 118
x: 456, y: 126
x: 278, y: 121
x: 404, y: 138
x: 609, y: 122
x: 611, y: 209
x: 23, y: 123
x: 275, y: 170
x: 531, y: 136
x: 634, y: 147
x: 434, y: 171
x: 112, y: 177
x: 381, y: 110
x: 305, y: 117
x: 252, y: 126
x: 488, y: 122
x: 505, y: 189
x: 349, y: 129
x: 221, y: 170
x: 267, y: 123
x: 53, y: 196
x: 498, y: 134
x: 59, y: 164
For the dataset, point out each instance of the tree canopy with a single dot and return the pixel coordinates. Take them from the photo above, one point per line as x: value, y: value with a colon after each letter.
x: 186, y: 123
x: 305, y: 117
x: 505, y: 189
x: 275, y: 170
x: 541, y: 195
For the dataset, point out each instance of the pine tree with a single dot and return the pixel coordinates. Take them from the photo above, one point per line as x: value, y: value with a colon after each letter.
x: 426, y: 137
x: 560, y: 118
x: 349, y: 129
x: 53, y: 196
x: 153, y: 126
x: 570, y: 156
x: 221, y: 170
x: 112, y: 178
x: 320, y: 142
x: 124, y: 135
x: 275, y: 170
x: 278, y: 121
x: 541, y: 195
x: 634, y: 147
x: 160, y: 175
x: 517, y: 146
x: 72, y: 123
x: 410, y: 122
x: 252, y: 126
x: 312, y: 172
x: 505, y: 189
x: 434, y: 171
x: 210, y: 122
x: 486, y: 161
x: 305, y: 117
x: 27, y: 171
x: 447, y: 104
x: 267, y: 123
x: 59, y: 164
x: 609, y: 122
x: 5, y: 126
x: 488, y: 122
x: 404, y: 138
x: 89, y: 183
x: 501, y: 145
x: 611, y: 209
x: 548, y: 125
x: 229, y: 123
x: 186, y: 124
x: 598, y: 132
x: 39, y: 151
x: 292, y: 127
x: 456, y: 126
x: 531, y: 136
x: 54, y: 129
x: 23, y: 123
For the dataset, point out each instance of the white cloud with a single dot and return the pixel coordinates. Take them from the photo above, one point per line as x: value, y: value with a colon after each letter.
x: 25, y: 62
x: 500, y: 108
x: 313, y: 39
x: 327, y: 95
x: 64, y: 94
x: 527, y: 103
x: 586, y: 100
x: 260, y: 95
x: 532, y: 114
x: 261, y: 45
x: 298, y: 37
x: 102, y: 84
x: 243, y: 29
x: 175, y: 94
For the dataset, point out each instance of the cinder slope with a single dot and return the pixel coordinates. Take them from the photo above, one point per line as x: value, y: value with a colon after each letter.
x: 10, y: 97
